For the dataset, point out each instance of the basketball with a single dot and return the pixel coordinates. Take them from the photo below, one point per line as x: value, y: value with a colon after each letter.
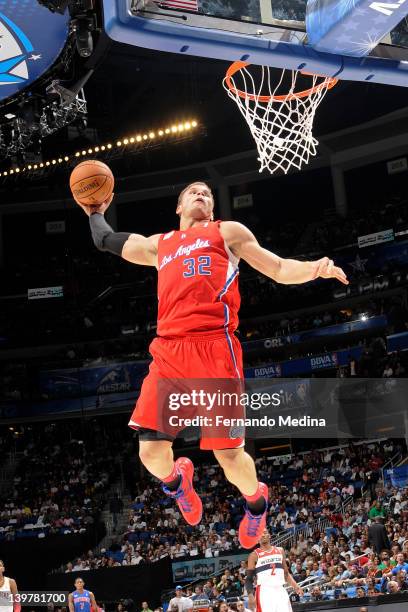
x: 92, y: 182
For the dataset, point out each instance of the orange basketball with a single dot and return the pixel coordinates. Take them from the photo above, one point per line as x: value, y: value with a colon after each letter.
x: 92, y: 182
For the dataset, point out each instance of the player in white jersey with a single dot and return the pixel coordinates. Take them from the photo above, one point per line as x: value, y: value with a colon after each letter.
x: 8, y: 591
x: 268, y: 564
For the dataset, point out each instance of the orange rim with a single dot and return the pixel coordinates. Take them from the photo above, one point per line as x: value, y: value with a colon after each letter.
x: 328, y: 83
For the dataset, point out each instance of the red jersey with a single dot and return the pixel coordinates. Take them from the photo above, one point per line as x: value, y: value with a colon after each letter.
x: 197, y: 283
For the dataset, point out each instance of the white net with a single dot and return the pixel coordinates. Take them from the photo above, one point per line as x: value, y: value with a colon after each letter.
x: 282, y: 125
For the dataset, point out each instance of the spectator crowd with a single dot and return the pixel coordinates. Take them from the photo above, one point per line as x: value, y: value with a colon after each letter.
x: 59, y: 484
x: 305, y: 491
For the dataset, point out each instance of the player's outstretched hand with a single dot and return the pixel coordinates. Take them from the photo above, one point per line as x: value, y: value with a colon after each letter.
x: 99, y: 208
x: 299, y: 591
x: 325, y: 268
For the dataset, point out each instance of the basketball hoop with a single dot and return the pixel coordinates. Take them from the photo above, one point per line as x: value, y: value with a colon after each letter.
x: 281, y: 124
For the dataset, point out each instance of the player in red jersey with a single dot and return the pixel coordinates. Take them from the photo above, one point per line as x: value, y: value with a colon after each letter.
x: 268, y: 564
x: 197, y: 317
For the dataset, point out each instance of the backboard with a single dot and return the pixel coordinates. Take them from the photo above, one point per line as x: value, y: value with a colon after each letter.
x: 293, y: 34
x: 287, y: 14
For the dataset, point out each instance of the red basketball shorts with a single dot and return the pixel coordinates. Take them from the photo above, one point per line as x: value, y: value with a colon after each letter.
x: 191, y: 358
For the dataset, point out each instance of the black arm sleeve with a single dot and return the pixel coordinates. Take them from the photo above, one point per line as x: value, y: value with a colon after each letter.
x: 105, y: 239
x: 249, y: 581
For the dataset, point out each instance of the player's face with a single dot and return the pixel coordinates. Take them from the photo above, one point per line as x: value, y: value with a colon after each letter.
x: 265, y: 538
x: 79, y: 583
x: 196, y: 202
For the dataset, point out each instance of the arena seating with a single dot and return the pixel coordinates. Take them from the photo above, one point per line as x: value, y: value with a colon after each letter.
x: 58, y: 487
x: 321, y: 505
x: 303, y: 489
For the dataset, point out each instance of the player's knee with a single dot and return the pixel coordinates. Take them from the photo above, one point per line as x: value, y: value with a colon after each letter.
x: 147, y: 453
x: 228, y: 457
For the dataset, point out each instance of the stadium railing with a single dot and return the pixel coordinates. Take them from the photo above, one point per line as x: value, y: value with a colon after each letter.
x: 290, y: 539
x: 392, y: 462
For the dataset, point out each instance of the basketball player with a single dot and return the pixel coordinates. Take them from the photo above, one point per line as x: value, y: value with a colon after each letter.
x: 198, y: 315
x: 81, y: 600
x: 8, y: 591
x: 268, y: 564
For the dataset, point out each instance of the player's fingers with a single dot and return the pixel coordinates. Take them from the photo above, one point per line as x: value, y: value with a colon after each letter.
x: 339, y: 274
x: 105, y: 205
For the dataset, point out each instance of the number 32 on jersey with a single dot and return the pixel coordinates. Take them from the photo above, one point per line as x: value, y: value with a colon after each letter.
x: 197, y: 265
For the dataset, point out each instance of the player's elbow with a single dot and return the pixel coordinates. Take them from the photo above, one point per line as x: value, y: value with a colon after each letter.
x: 277, y: 272
x: 100, y: 241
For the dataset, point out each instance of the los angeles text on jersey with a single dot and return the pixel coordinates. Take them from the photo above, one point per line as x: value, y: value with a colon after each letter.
x: 184, y: 250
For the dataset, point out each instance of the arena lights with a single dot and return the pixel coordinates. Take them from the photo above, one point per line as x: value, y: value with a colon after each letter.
x: 176, y: 129
x: 35, y: 119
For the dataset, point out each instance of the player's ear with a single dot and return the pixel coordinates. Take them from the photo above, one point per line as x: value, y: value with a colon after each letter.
x: 178, y: 210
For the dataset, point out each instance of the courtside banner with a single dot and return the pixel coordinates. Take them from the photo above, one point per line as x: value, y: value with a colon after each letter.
x: 313, y: 408
x: 301, y: 408
x: 99, y: 380
x: 305, y: 365
x: 376, y: 238
x: 397, y: 477
x: 202, y: 569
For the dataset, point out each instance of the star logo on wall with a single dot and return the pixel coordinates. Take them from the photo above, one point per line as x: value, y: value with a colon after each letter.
x: 359, y: 264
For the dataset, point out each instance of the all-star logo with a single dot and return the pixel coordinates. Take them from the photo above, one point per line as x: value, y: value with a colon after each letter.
x: 15, y: 49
